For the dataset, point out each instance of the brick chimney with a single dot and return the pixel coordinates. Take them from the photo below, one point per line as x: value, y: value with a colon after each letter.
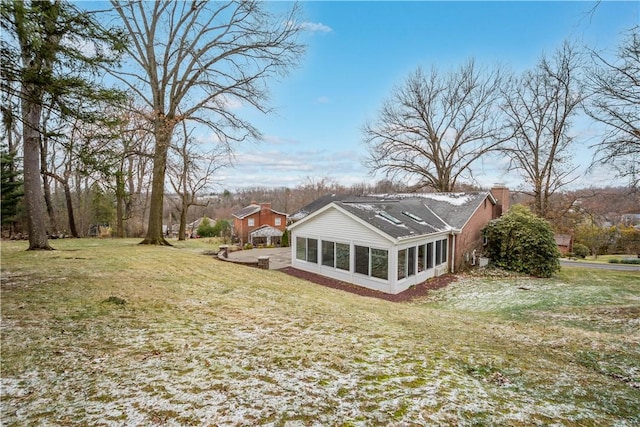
x: 501, y: 194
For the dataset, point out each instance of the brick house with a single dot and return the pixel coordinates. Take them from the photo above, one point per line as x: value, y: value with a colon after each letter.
x: 394, y: 241
x: 259, y: 224
x: 564, y: 243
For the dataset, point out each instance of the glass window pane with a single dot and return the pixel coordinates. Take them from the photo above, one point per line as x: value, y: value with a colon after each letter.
x: 421, y: 257
x: 430, y: 255
x: 402, y: 263
x: 301, y: 248
x: 328, y: 253
x: 362, y: 260
x: 411, y: 262
x: 438, y: 252
x: 312, y: 250
x: 342, y: 256
x: 380, y: 263
x: 444, y: 250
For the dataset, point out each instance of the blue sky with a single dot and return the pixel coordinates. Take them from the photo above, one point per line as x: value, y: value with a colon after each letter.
x: 358, y: 51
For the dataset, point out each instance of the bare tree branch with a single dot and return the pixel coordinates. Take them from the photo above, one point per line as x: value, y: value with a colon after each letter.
x: 435, y: 127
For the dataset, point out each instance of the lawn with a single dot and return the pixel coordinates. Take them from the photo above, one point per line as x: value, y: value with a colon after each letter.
x: 108, y: 332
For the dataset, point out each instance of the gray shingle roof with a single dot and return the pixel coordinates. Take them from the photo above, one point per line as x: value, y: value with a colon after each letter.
x: 405, y: 215
x: 246, y: 211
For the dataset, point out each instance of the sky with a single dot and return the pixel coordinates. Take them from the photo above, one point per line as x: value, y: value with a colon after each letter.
x: 357, y: 52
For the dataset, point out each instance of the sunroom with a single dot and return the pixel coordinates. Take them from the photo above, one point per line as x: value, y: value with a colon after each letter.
x: 381, y: 246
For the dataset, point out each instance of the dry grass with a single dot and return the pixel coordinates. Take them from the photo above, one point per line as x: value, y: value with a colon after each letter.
x: 107, y: 332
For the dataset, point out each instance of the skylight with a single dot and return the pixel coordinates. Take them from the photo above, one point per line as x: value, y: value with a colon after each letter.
x: 391, y: 218
x: 416, y: 218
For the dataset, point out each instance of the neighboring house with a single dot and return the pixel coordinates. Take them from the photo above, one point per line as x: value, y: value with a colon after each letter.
x: 391, y: 242
x: 565, y: 243
x: 259, y: 224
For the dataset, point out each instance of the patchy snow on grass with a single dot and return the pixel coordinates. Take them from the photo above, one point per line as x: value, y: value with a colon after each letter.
x: 231, y: 346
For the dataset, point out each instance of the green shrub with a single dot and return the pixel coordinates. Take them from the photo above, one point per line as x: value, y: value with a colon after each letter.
x: 523, y: 242
x: 221, y: 228
x: 206, y: 229
x: 580, y: 250
x: 248, y: 246
x: 624, y: 261
x: 284, y: 241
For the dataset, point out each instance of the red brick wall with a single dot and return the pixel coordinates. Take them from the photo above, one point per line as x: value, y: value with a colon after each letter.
x: 471, y: 237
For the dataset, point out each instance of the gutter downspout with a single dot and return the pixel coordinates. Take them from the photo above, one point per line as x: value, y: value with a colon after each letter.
x: 452, y: 262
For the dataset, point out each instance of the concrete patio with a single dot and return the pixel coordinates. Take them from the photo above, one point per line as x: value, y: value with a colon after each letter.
x: 278, y: 257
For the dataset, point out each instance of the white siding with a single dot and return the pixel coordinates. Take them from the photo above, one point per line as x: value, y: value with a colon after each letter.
x: 336, y: 226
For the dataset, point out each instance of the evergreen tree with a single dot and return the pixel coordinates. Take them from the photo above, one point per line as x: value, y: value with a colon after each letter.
x: 11, y: 187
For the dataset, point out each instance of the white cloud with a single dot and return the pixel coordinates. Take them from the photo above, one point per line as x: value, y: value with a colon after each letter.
x: 264, y: 167
x: 315, y: 27
x: 276, y: 140
x: 323, y: 100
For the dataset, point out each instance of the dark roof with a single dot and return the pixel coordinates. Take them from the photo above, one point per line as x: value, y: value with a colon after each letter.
x: 246, y: 211
x: 405, y: 215
x: 563, y: 239
x: 316, y: 205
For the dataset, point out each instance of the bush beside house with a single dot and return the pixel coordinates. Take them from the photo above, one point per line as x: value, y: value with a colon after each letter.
x: 523, y: 242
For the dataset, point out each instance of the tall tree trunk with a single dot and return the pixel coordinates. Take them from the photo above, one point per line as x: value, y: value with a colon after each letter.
x: 33, y: 197
x: 183, y: 220
x: 72, y: 220
x: 53, y: 222
x: 164, y: 130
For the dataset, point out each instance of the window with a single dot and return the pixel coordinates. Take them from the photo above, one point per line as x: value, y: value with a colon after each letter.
x: 429, y: 255
x: 441, y: 251
x: 328, y: 253
x: 335, y: 255
x: 406, y: 262
x: 379, y: 264
x: 362, y: 260
x: 301, y: 248
x: 422, y: 254
x: 411, y: 261
x: 342, y: 256
x: 444, y: 250
x: 402, y: 264
x: 312, y: 250
x: 372, y: 262
x: 307, y: 249
x: 251, y: 222
x: 278, y: 221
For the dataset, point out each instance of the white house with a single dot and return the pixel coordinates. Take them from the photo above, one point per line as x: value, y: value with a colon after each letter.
x: 390, y: 242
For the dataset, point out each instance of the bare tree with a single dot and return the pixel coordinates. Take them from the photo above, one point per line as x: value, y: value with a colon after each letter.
x: 434, y: 127
x: 191, y: 172
x: 192, y: 61
x: 539, y: 106
x: 133, y: 141
x: 615, y: 102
